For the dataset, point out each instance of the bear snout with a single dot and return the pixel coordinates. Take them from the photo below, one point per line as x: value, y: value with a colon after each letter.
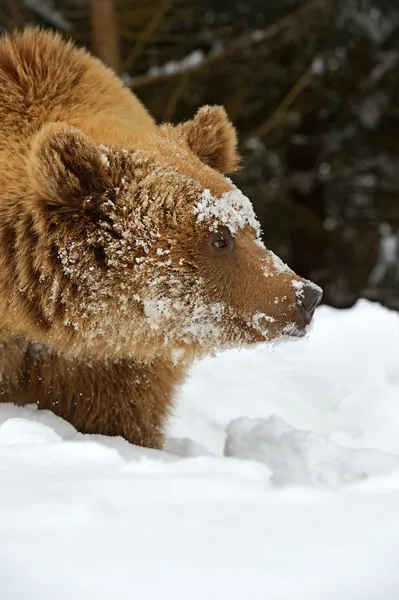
x: 310, y: 298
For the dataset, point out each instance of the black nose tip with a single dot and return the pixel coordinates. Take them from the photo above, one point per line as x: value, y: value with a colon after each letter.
x: 311, y: 297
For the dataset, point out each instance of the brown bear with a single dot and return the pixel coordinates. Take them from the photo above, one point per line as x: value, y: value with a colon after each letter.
x: 125, y: 252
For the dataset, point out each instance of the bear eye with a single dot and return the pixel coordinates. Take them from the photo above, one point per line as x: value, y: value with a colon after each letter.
x: 221, y: 241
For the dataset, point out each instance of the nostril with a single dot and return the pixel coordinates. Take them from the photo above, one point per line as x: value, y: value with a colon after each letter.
x: 311, y: 297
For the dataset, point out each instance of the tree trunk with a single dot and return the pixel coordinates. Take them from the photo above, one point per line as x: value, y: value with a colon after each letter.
x: 105, y: 35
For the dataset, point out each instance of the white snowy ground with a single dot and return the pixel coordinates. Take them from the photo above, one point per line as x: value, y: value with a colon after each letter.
x: 286, y: 488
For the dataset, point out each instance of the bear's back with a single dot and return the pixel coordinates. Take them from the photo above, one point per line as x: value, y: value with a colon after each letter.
x: 44, y: 79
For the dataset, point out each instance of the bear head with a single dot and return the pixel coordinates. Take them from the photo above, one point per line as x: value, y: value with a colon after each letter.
x: 152, y: 249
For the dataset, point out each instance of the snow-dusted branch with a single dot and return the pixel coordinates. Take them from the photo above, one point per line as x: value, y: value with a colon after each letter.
x: 45, y: 9
x: 247, y: 41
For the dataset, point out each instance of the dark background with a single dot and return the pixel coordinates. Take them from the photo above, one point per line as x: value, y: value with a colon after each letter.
x: 313, y: 88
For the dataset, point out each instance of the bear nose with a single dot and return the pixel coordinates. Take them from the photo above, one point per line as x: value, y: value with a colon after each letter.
x: 311, y: 297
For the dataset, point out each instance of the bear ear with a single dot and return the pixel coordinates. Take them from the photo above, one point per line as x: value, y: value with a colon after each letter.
x: 66, y: 166
x: 212, y: 137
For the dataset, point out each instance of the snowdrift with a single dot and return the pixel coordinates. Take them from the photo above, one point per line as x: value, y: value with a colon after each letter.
x: 280, y: 481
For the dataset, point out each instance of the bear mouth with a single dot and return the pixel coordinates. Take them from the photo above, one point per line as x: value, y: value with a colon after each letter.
x: 265, y: 329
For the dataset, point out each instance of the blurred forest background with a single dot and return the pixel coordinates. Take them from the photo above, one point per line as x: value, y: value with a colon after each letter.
x: 313, y: 88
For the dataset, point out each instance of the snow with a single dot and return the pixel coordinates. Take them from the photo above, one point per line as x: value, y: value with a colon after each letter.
x: 377, y: 26
x: 303, y: 457
x: 46, y: 10
x: 388, y: 254
x: 280, y: 481
x: 192, y: 60
x: 318, y: 66
x: 232, y: 209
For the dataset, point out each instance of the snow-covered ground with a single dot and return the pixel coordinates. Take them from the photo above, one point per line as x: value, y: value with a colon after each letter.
x: 281, y: 482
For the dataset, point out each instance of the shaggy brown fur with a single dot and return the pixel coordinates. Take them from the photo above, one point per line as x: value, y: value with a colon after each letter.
x: 124, y: 251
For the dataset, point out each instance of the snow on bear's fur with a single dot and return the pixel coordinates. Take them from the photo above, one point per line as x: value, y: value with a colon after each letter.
x: 125, y: 252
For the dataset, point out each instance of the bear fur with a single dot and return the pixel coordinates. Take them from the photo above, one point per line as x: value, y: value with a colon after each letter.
x: 125, y: 252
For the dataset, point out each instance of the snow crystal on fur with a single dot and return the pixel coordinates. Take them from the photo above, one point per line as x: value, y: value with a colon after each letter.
x: 232, y: 209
